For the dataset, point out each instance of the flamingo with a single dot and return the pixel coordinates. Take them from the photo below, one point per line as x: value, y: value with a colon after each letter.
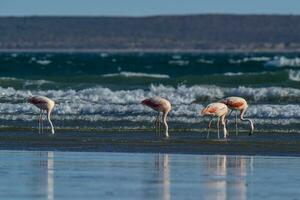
x: 238, y: 104
x: 219, y: 110
x: 44, y: 104
x: 159, y: 104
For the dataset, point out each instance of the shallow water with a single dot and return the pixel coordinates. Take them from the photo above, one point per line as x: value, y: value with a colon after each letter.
x: 104, y: 90
x: 86, y: 175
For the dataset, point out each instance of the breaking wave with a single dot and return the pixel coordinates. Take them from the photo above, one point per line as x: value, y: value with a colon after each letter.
x: 249, y: 59
x: 294, y: 75
x: 185, y: 100
x: 136, y: 74
x: 283, y: 62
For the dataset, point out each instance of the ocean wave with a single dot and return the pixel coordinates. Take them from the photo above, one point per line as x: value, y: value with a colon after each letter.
x: 43, y: 62
x: 136, y: 74
x: 206, y: 61
x: 23, y: 82
x: 249, y: 59
x: 121, y: 103
x: 243, y: 73
x: 283, y: 62
x: 294, y: 75
x: 271, y: 116
x: 178, y: 95
x: 176, y: 57
x: 233, y: 73
x: 179, y: 62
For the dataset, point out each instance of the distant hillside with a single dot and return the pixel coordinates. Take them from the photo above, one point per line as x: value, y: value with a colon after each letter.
x: 196, y: 32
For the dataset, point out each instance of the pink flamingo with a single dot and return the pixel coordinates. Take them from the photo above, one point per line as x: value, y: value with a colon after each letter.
x: 238, y: 104
x: 160, y: 105
x: 219, y: 110
x: 45, y: 105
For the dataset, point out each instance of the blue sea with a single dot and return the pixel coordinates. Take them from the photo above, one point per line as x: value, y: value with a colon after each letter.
x: 103, y: 90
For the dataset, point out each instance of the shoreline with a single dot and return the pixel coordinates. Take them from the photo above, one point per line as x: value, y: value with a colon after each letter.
x: 262, y: 144
x: 158, y: 51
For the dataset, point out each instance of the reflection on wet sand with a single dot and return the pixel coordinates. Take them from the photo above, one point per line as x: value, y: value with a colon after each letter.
x: 162, y: 166
x: 220, y: 186
x: 225, y: 176
x: 216, y: 187
x: 50, y: 177
x: 45, y: 166
x: 90, y: 175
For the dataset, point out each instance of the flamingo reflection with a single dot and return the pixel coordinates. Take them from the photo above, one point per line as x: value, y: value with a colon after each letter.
x: 162, y: 165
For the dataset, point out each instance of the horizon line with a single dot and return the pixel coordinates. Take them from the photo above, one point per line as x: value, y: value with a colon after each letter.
x: 158, y: 15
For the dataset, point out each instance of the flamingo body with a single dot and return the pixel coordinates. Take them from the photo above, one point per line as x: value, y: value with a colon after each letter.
x: 218, y: 110
x: 235, y: 103
x: 44, y: 104
x: 241, y: 105
x: 215, y: 109
x: 159, y: 104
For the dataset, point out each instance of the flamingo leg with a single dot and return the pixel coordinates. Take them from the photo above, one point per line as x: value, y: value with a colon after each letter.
x: 164, y: 118
x: 208, y: 129
x: 156, y: 124
x: 42, y: 121
x: 223, y: 122
x: 218, y: 125
x: 49, y: 120
x: 236, y: 124
x: 228, y: 117
x: 39, y: 120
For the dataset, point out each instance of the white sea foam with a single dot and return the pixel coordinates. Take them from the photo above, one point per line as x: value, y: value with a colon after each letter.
x: 101, y: 103
x: 135, y: 74
x: 9, y: 79
x: 14, y: 55
x: 205, y: 61
x: 104, y: 55
x: 283, y: 62
x: 176, y: 57
x: 43, y: 62
x: 27, y: 82
x: 294, y: 75
x: 249, y: 59
x: 179, y: 95
x: 233, y: 73
x: 179, y: 62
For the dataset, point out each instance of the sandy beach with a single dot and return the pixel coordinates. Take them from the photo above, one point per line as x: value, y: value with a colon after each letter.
x: 277, y: 144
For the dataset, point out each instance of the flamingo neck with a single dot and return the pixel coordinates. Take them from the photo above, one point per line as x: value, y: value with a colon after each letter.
x: 165, y: 123
x: 48, y: 116
x: 248, y: 120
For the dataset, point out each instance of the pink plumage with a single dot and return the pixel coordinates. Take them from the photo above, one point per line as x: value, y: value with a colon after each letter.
x: 159, y: 104
x: 45, y: 105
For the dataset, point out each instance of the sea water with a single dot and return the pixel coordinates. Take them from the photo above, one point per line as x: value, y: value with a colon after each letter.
x: 104, y: 90
x: 93, y: 175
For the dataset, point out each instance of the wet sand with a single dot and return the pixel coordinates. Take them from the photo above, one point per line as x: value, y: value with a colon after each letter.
x: 279, y: 144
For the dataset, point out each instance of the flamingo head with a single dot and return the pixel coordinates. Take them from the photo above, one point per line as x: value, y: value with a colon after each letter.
x: 145, y: 102
x: 29, y: 99
x: 225, y: 101
x: 203, y: 112
x: 209, y: 110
